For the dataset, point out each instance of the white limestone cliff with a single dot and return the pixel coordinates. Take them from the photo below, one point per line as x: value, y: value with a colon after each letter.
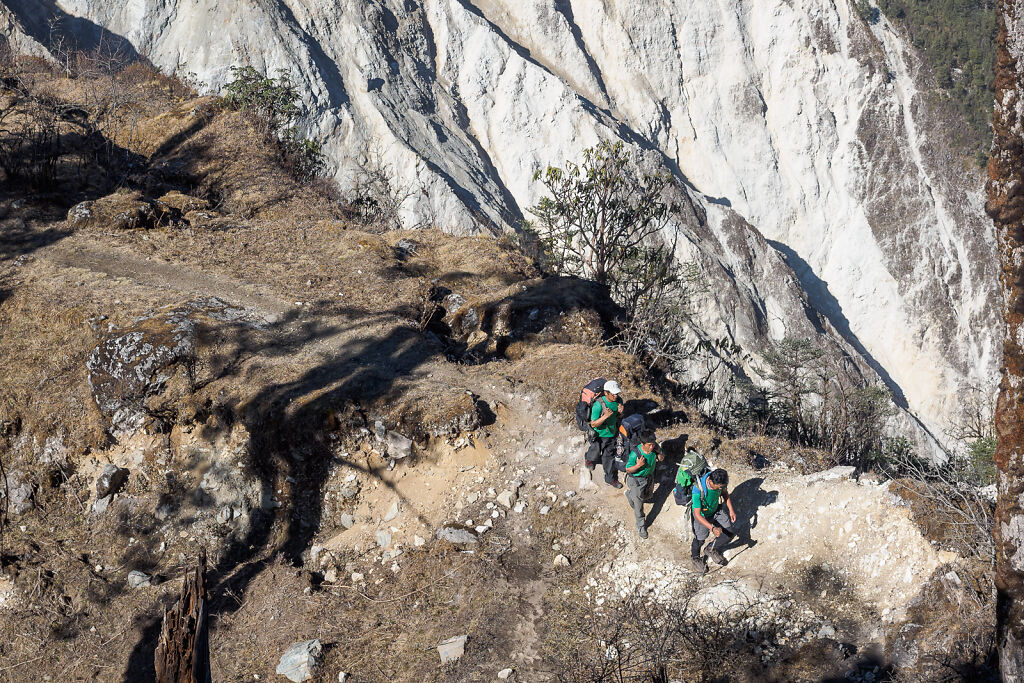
x: 797, y: 126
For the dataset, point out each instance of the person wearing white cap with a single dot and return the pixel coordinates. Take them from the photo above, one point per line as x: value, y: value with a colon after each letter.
x: 605, y: 414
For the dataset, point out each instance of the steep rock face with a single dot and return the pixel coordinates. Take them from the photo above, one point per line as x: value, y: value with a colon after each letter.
x: 1006, y: 206
x: 791, y: 116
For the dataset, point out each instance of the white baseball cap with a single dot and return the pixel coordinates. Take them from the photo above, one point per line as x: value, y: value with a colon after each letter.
x: 612, y: 387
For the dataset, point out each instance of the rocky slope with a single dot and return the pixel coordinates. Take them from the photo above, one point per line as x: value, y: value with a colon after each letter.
x: 796, y: 118
x: 366, y: 435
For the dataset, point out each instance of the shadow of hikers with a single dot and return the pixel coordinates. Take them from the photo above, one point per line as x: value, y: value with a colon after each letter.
x: 747, y: 499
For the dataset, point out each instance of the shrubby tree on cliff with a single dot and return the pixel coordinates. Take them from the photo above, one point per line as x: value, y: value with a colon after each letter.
x: 604, y: 220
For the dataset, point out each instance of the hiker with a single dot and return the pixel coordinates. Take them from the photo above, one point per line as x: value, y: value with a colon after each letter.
x: 604, y: 419
x: 709, y: 517
x: 643, y: 460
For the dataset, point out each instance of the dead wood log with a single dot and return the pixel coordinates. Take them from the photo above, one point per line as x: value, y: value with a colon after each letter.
x: 183, y: 651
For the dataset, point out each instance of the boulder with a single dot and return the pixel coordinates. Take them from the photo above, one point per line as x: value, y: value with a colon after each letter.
x: 301, y: 661
x: 452, y: 649
x: 834, y: 474
x: 146, y: 369
x: 110, y: 481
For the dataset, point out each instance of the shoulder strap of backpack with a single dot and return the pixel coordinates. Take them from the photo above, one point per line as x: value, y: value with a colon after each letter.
x: 702, y: 486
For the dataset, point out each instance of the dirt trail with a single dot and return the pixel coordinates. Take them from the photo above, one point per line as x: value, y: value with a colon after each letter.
x: 120, y: 262
x: 787, y: 524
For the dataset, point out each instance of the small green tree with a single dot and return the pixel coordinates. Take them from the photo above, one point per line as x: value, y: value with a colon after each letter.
x: 273, y: 106
x: 604, y: 220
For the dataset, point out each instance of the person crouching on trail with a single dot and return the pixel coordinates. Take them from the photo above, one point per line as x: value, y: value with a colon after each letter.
x: 709, y: 517
x: 640, y: 477
x: 605, y: 414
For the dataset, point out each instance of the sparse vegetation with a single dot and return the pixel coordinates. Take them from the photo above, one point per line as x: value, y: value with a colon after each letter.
x: 272, y: 103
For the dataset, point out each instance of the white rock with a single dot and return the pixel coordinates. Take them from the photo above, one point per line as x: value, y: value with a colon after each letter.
x: 300, y: 661
x: 561, y: 561
x: 545, y: 510
x: 393, y: 511
x: 505, y: 674
x: 507, y: 498
x: 383, y: 538
x: 451, y: 649
x: 137, y: 579
x: 418, y: 541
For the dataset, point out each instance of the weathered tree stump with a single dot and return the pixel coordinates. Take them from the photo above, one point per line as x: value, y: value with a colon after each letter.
x: 183, y: 651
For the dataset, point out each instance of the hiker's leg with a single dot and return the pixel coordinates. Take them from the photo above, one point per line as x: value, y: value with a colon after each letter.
x: 722, y: 520
x: 608, y: 459
x: 700, y: 534
x: 635, y: 495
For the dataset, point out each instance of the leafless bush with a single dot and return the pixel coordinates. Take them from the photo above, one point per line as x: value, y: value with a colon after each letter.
x: 375, y: 195
x: 946, y: 498
x: 643, y: 639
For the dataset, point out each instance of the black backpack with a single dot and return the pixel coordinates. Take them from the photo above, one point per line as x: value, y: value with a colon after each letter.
x: 630, y: 429
x: 588, y: 395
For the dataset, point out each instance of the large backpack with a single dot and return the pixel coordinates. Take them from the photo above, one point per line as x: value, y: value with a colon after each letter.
x: 630, y: 429
x: 692, y: 466
x: 588, y: 395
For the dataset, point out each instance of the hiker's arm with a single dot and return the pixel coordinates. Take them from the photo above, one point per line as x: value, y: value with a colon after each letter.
x: 728, y: 505
x: 641, y: 462
x: 600, y: 420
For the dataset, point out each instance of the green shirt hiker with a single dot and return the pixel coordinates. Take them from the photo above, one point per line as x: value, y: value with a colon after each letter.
x: 650, y: 460
x: 712, y: 499
x: 611, y: 425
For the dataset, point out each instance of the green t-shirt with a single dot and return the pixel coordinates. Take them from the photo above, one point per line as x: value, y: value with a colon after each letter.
x: 712, y: 499
x: 650, y: 460
x: 608, y: 429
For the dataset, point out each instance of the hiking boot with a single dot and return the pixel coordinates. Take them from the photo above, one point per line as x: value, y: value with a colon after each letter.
x: 614, y: 483
x: 642, y: 532
x: 699, y: 565
x: 590, y: 464
x: 718, y: 557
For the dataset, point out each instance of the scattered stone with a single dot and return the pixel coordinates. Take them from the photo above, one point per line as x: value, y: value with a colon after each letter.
x: 300, y: 661
x: 827, y: 632
x: 457, y: 535
x: 452, y: 649
x: 81, y: 213
x: 398, y: 446
x: 100, y: 506
x: 473, y: 497
x: 520, y: 506
x: 393, y: 511
x: 350, y: 492
x: 482, y: 529
x: 383, y: 538
x: 342, y: 677
x: 357, y: 577
x: 561, y: 561
x: 331, y: 575
x: 347, y: 521
x: 418, y: 541
x: 545, y: 510
x: 224, y: 515
x: 111, y: 479
x: 505, y: 674
x: 507, y: 498
x: 137, y: 579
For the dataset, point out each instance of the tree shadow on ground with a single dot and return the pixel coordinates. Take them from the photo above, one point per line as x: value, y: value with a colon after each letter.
x: 289, y: 449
